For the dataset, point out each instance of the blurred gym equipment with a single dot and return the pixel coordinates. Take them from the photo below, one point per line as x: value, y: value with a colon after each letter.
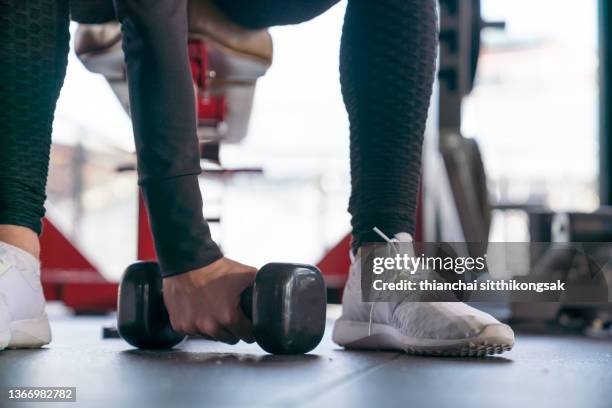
x: 226, y: 61
x: 579, y: 250
x: 591, y: 231
x: 455, y: 198
x: 455, y: 201
x: 69, y: 277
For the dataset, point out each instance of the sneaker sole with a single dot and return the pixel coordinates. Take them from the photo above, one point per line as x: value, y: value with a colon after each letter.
x: 493, y: 339
x: 30, y: 333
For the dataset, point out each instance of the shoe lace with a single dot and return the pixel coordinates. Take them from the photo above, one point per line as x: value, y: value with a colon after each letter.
x: 4, y: 266
x: 392, y: 242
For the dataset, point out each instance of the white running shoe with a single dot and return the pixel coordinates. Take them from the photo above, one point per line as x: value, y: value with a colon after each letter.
x: 423, y: 328
x: 23, y: 321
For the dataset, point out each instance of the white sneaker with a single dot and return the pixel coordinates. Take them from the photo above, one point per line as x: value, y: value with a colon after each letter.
x: 424, y: 328
x: 23, y: 321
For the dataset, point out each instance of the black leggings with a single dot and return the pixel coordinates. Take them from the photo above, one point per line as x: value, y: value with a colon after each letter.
x: 387, y: 65
x: 33, y: 58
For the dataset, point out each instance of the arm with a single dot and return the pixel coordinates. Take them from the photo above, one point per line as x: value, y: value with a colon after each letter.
x: 163, y: 112
x: 201, y: 288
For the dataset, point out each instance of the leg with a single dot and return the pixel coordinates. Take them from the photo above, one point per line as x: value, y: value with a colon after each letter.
x: 387, y: 65
x: 387, y: 70
x: 33, y: 50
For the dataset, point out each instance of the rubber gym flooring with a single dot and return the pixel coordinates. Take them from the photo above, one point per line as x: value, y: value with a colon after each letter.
x: 541, y: 371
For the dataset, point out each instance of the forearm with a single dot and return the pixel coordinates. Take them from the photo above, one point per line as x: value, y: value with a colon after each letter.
x: 163, y: 116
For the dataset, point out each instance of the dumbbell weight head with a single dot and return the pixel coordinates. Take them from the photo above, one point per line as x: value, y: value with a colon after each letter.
x: 142, y: 318
x: 288, y: 308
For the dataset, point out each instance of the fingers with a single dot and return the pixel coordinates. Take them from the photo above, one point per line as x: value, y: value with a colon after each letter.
x: 242, y: 327
x: 216, y: 331
x: 226, y: 336
x: 206, y: 301
x: 184, y: 328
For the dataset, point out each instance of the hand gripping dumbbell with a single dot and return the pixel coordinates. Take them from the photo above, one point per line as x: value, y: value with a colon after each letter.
x: 287, y: 305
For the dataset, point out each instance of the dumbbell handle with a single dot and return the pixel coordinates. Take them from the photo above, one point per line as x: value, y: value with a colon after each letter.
x: 246, y: 302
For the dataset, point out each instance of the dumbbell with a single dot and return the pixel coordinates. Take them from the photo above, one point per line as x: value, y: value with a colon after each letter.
x: 286, y: 304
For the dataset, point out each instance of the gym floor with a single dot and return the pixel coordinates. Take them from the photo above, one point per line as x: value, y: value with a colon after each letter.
x: 542, y: 370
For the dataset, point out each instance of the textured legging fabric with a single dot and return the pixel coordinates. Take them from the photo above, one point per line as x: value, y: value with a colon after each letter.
x: 33, y: 57
x: 387, y: 67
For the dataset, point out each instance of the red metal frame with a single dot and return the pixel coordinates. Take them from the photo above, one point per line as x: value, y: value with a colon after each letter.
x: 68, y: 276
x: 145, y: 244
x: 336, y: 262
x: 211, y: 108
